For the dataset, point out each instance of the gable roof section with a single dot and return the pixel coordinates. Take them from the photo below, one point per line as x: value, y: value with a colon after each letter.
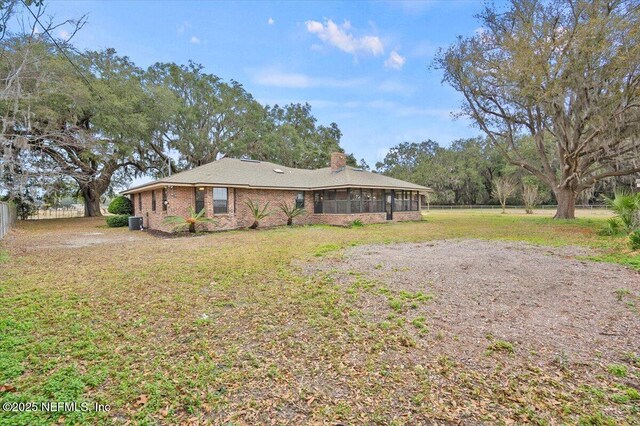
x: 231, y: 172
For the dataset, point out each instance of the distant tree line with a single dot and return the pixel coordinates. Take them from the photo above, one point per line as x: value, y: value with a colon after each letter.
x: 84, y: 123
x: 473, y: 171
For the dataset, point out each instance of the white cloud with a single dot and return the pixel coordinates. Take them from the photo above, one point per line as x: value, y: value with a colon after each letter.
x: 63, y: 34
x: 271, y: 21
x: 338, y: 36
x: 395, y: 61
x: 275, y: 78
x: 194, y: 40
x: 182, y: 27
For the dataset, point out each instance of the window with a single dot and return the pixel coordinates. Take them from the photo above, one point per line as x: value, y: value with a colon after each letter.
x: 354, y: 200
x: 165, y: 202
x: 355, y: 195
x: 342, y: 201
x: 300, y: 200
x: 140, y: 202
x: 318, y: 202
x: 153, y: 201
x: 406, y: 201
x: 366, y: 201
x: 199, y: 200
x: 220, y: 201
x: 329, y: 204
x: 378, y: 200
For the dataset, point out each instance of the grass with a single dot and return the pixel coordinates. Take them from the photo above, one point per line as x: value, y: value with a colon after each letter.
x: 501, y: 346
x: 225, y: 329
x: 617, y: 370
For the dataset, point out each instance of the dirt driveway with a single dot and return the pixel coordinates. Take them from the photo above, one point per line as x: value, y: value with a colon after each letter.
x: 69, y: 233
x: 547, y: 302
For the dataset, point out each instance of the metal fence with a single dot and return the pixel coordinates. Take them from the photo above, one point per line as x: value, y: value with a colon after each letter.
x: 7, y: 217
x: 499, y: 207
x: 57, y: 213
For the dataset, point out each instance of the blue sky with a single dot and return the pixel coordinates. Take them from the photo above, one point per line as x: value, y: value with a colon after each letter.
x: 363, y: 65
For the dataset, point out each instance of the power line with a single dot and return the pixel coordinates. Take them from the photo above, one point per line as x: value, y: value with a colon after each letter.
x: 60, y: 49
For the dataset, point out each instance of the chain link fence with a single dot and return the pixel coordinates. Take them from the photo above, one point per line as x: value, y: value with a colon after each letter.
x: 57, y: 213
x: 499, y: 207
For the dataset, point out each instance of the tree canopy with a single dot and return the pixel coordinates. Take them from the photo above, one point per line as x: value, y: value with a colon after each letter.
x: 95, y: 120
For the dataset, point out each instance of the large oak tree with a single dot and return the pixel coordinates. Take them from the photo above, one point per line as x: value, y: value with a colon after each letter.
x: 566, y: 74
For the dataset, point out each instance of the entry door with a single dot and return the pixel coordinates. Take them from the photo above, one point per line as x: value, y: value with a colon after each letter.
x: 388, y: 205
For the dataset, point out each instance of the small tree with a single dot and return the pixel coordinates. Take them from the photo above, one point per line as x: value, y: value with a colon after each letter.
x: 257, y: 212
x: 530, y: 197
x: 427, y: 198
x: 189, y: 222
x: 291, y: 211
x: 503, y: 187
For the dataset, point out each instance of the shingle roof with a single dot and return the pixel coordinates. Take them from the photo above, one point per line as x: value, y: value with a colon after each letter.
x: 233, y: 172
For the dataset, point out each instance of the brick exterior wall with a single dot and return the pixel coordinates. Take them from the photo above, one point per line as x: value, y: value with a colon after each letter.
x: 180, y: 198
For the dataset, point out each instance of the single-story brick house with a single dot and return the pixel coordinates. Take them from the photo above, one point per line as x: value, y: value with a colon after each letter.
x: 335, y: 195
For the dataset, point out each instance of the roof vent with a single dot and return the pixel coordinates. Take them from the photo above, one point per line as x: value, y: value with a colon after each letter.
x: 249, y: 160
x: 278, y: 171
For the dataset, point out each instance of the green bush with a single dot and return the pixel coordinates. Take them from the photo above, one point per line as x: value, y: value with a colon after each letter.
x: 626, y: 207
x: 612, y: 228
x: 634, y: 240
x: 118, y: 221
x: 121, y: 205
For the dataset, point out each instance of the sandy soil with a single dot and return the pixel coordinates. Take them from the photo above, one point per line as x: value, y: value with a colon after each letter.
x: 548, y: 303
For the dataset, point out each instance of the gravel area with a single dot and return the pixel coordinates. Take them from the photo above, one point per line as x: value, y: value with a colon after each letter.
x: 548, y: 303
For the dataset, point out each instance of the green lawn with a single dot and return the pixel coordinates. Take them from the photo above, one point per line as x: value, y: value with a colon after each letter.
x: 225, y: 329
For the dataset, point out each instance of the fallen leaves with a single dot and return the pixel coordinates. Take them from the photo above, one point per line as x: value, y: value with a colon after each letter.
x: 7, y: 388
x: 141, y: 401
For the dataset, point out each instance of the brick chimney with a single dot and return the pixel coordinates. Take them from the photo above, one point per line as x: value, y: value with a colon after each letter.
x: 338, y: 161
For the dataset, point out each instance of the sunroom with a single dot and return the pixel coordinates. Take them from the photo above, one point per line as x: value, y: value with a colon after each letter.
x: 364, y: 200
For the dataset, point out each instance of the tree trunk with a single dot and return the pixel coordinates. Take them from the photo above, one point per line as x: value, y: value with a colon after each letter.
x: 91, y: 201
x: 566, y: 204
x: 289, y: 221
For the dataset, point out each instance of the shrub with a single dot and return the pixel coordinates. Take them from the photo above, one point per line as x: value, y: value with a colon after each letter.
x: 257, y: 212
x: 625, y: 206
x: 612, y: 228
x: 356, y: 224
x: 634, y: 240
x: 118, y: 221
x: 530, y: 197
x: 189, y: 222
x: 120, y: 205
x: 291, y: 212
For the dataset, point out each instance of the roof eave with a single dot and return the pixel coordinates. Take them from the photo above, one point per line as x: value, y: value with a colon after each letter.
x: 156, y: 185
